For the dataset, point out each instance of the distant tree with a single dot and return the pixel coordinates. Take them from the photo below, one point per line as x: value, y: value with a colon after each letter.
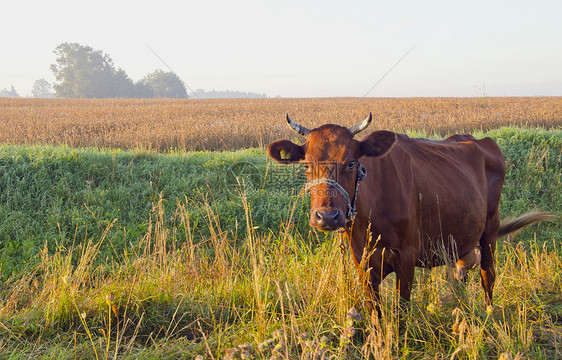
x: 164, y: 85
x: 79, y: 70
x: 42, y: 89
x: 124, y: 87
x: 9, y: 93
x: 143, y: 90
x: 82, y: 72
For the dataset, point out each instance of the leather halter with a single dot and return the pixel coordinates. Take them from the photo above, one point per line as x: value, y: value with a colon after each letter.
x: 361, y: 174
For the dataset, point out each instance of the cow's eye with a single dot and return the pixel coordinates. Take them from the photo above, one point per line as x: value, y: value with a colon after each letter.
x: 351, y: 165
x: 305, y: 167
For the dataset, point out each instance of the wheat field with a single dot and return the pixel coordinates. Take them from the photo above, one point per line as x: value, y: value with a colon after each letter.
x: 229, y: 124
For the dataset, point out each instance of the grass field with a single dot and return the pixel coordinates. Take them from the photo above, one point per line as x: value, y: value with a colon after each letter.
x: 115, y: 253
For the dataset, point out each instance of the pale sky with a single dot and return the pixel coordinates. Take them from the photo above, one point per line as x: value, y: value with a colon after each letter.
x: 301, y: 48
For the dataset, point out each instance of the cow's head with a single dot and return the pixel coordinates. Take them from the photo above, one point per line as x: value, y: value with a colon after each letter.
x: 330, y: 157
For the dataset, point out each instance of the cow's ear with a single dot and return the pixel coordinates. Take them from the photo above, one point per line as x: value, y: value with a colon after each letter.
x: 377, y: 144
x: 285, y: 152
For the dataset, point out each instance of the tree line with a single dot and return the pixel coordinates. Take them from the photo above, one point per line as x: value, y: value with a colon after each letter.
x: 82, y: 72
x: 226, y: 94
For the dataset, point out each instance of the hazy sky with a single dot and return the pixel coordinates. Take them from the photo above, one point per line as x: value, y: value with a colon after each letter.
x: 301, y: 48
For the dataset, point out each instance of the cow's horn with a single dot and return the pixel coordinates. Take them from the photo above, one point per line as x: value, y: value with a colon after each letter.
x: 298, y: 128
x: 361, y: 126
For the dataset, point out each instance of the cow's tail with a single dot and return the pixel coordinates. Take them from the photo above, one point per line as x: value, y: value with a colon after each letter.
x: 507, y: 227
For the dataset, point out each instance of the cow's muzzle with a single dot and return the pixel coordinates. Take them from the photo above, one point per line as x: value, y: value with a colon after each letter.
x: 327, y: 219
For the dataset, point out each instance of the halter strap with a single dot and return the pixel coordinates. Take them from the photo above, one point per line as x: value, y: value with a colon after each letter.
x: 361, y: 174
x: 329, y: 182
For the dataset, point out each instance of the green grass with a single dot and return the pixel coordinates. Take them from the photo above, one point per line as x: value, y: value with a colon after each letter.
x: 198, y: 267
x: 60, y: 196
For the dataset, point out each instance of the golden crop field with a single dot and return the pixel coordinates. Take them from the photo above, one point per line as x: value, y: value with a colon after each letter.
x: 228, y: 124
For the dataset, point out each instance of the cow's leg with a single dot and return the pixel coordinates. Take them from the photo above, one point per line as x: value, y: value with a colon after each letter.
x: 467, y: 262
x: 378, y: 268
x: 373, y: 296
x: 488, y: 248
x: 487, y: 270
x: 405, y: 269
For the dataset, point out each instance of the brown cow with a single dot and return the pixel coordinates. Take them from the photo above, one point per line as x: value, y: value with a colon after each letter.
x: 428, y: 200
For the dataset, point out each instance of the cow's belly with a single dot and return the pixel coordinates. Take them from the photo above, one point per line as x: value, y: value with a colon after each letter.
x: 450, y: 224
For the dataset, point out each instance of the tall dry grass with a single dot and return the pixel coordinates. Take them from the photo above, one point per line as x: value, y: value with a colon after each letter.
x: 229, y: 124
x: 271, y: 297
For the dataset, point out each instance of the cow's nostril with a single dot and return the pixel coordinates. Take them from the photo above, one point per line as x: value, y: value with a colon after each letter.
x: 337, y: 215
x: 318, y: 215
